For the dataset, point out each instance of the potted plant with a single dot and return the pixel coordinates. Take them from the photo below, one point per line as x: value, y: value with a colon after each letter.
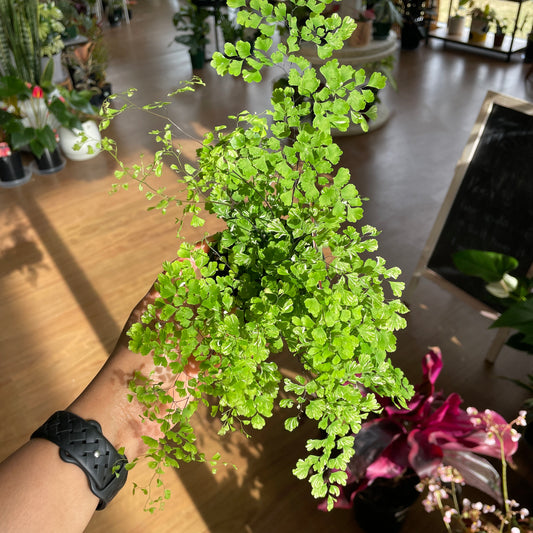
x: 51, y: 29
x: 387, y: 14
x: 513, y: 293
x: 414, y: 16
x: 479, y: 27
x: 293, y: 269
x: 456, y: 22
x: 500, y: 29
x: 362, y: 34
x: 37, y: 112
x: 191, y: 22
x: 20, y: 50
x: 502, y: 514
x: 87, y: 65
x: 402, y: 446
x: 12, y: 170
x: 115, y: 12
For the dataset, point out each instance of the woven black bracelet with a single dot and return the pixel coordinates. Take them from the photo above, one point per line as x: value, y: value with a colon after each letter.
x: 81, y: 442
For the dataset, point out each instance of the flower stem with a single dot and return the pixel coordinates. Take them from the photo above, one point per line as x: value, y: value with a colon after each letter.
x: 505, y: 492
x: 439, y: 503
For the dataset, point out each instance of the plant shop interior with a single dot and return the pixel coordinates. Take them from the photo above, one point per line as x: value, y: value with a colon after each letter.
x: 77, y: 252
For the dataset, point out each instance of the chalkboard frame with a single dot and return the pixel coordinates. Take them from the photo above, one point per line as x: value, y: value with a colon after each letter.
x: 422, y: 269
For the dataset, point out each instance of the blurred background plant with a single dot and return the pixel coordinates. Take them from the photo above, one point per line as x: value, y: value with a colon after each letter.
x: 51, y: 29
x: 32, y: 113
x: 513, y: 293
x: 20, y: 44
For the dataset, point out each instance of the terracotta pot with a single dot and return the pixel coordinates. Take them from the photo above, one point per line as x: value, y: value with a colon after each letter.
x: 362, y: 35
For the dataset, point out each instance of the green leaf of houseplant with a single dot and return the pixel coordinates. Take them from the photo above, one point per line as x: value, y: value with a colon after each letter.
x: 518, y: 316
x: 489, y: 266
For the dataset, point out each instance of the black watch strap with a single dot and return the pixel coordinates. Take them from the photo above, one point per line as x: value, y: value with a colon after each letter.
x: 81, y: 442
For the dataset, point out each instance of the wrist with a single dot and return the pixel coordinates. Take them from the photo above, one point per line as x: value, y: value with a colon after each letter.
x: 106, y: 401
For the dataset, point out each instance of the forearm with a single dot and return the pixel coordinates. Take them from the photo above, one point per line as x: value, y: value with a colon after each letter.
x: 38, y: 490
x: 41, y: 492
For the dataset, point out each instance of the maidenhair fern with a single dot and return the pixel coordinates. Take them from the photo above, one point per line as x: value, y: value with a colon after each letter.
x: 295, y: 269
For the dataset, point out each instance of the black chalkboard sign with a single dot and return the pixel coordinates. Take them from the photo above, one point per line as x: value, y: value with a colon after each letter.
x: 490, y: 202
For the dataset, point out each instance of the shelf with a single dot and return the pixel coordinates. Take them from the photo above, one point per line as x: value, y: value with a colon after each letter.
x: 517, y: 44
x: 511, y: 44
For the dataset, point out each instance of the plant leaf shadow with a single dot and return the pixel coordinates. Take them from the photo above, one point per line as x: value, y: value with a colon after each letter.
x: 20, y: 253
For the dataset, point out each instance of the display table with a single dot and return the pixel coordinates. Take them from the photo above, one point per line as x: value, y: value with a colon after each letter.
x: 359, y: 56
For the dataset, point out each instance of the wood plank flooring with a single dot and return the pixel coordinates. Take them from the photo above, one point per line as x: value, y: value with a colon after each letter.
x: 74, y: 260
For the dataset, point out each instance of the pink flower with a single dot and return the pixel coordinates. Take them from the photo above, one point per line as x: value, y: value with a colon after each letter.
x: 5, y: 151
x: 37, y: 92
x: 424, y: 435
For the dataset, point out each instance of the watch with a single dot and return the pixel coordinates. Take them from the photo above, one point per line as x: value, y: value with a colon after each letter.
x: 82, y: 443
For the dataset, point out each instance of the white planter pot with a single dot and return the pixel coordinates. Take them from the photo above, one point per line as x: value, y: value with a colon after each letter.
x: 456, y: 25
x: 88, y: 149
x: 60, y: 74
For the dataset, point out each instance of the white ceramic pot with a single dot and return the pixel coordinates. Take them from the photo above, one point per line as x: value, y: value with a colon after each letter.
x: 456, y: 25
x: 60, y: 74
x: 88, y: 148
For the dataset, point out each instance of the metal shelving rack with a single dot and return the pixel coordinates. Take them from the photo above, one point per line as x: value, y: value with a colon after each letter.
x: 511, y: 45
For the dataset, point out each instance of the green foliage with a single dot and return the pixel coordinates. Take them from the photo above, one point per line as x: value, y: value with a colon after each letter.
x: 294, y: 269
x: 34, y: 110
x: 191, y: 23
x: 387, y: 12
x: 489, y: 266
x: 516, y: 294
x: 20, y: 45
x: 50, y: 29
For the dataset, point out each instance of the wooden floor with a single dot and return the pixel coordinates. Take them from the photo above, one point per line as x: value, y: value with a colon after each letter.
x: 74, y: 260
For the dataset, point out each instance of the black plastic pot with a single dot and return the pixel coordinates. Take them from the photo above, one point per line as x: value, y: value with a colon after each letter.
x: 197, y: 58
x: 11, y: 168
x: 383, y: 506
x: 528, y: 56
x: 50, y: 162
x: 114, y: 16
x: 381, y: 30
x: 411, y: 35
x: 98, y: 99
